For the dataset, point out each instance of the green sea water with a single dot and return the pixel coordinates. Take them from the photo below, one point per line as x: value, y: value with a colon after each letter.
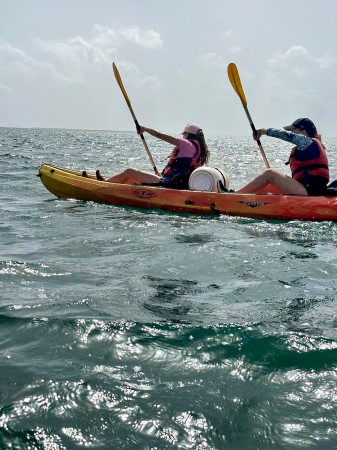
x: 130, y: 329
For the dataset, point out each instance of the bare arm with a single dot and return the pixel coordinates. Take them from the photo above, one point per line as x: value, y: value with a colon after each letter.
x: 164, y: 137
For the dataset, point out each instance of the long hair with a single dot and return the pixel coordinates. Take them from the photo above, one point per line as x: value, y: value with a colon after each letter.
x: 319, y: 137
x: 205, y: 153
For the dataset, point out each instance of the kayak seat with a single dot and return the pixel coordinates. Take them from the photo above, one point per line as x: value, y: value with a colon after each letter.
x: 331, y: 192
x: 331, y: 189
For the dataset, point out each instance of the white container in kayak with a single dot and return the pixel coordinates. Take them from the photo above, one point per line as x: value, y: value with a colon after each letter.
x: 208, y: 179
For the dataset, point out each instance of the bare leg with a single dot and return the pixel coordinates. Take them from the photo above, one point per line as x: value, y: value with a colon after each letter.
x: 284, y: 183
x: 134, y: 176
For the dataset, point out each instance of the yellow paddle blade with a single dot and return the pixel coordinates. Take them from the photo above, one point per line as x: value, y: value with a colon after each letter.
x: 234, y: 78
x: 120, y: 82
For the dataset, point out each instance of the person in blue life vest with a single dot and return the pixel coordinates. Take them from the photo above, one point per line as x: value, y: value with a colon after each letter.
x: 190, y: 151
x: 308, y: 162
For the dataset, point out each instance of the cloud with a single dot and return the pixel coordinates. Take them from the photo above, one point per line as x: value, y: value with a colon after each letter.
x: 300, y: 61
x: 150, y: 82
x: 232, y: 46
x: 213, y: 59
x: 105, y: 37
x: 14, y: 56
x: 294, y: 82
x: 6, y: 89
x: 8, y: 50
x: 15, y: 63
x: 72, y: 60
x: 294, y: 74
x: 75, y: 57
x: 148, y: 39
x: 131, y: 75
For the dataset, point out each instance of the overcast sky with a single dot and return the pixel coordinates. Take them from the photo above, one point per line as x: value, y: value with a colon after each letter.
x: 172, y: 55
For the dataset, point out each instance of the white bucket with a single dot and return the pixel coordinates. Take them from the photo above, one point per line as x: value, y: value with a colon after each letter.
x: 208, y: 179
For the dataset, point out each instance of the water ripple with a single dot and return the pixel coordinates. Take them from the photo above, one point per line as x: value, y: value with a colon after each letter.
x: 122, y: 328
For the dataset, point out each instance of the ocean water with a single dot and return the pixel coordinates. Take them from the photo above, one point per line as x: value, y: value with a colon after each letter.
x: 130, y: 329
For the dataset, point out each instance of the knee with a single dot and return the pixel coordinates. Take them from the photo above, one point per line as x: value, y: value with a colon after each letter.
x: 270, y: 174
x: 129, y: 172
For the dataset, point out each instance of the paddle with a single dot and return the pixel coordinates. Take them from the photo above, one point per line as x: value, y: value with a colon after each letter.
x: 120, y: 83
x: 234, y: 78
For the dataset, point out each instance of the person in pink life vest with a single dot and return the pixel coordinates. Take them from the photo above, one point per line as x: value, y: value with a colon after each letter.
x: 190, y: 151
x: 308, y: 162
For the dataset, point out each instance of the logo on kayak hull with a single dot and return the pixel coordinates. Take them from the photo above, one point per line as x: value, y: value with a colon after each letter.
x: 253, y: 204
x: 142, y: 193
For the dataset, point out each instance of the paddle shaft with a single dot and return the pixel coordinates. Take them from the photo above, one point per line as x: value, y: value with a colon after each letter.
x: 258, y: 140
x: 120, y: 84
x: 234, y: 78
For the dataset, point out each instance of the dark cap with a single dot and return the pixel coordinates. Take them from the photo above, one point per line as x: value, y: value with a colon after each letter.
x: 303, y: 124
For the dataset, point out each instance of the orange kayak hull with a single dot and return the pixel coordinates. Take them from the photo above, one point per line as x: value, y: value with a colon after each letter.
x: 66, y: 183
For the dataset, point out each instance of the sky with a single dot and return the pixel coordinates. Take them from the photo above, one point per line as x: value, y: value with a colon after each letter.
x: 56, y: 63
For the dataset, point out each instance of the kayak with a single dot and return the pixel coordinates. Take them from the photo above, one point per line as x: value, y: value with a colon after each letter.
x: 70, y: 184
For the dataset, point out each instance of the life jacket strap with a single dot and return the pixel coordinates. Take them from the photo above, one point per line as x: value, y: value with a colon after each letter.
x: 310, y: 167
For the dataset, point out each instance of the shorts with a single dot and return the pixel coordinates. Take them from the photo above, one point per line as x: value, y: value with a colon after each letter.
x: 174, y: 182
x: 315, y: 185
